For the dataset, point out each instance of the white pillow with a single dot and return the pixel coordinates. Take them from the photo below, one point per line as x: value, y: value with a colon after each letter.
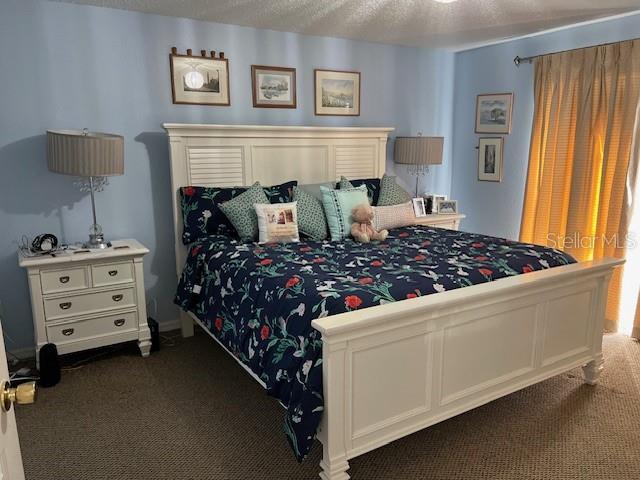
x: 277, y: 222
x: 393, y: 216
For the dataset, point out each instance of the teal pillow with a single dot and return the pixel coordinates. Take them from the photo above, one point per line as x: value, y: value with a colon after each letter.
x: 311, y: 219
x: 338, y: 205
x: 242, y: 214
x: 391, y: 193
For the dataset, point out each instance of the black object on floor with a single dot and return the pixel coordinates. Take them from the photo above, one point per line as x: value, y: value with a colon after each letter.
x: 154, y: 328
x: 49, y: 366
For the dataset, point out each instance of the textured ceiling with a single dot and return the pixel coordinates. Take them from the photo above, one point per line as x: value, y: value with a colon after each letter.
x: 422, y: 23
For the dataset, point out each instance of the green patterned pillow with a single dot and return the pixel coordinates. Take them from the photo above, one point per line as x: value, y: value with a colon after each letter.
x: 344, y: 183
x: 391, y: 193
x: 338, y: 205
x: 242, y: 214
x: 311, y: 219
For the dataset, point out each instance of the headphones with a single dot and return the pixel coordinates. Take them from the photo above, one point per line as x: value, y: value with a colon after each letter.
x: 44, y: 243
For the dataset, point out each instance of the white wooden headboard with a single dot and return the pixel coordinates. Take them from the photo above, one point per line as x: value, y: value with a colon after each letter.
x: 236, y: 155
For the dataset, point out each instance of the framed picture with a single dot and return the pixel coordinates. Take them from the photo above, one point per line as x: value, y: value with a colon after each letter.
x: 428, y: 203
x: 436, y: 200
x: 493, y: 113
x: 490, y: 159
x: 418, y: 207
x: 447, y: 207
x: 337, y: 93
x: 273, y: 87
x: 199, y: 80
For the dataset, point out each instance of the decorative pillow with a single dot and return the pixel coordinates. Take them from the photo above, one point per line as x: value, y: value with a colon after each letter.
x: 201, y: 215
x: 242, y: 214
x: 372, y: 184
x: 313, y: 189
x: 338, y: 205
x: 393, y: 216
x: 311, y: 218
x: 282, y: 193
x: 277, y: 222
x: 391, y: 193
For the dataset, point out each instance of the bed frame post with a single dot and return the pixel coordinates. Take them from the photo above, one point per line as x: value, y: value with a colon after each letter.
x: 186, y: 325
x: 332, y: 433
x: 592, y: 370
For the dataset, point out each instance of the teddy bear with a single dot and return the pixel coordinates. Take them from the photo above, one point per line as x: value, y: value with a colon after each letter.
x: 362, y: 227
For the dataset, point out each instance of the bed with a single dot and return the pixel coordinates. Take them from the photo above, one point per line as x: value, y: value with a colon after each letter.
x: 397, y: 366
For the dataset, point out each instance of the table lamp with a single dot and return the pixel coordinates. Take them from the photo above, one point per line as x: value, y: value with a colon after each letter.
x: 418, y: 153
x: 87, y: 154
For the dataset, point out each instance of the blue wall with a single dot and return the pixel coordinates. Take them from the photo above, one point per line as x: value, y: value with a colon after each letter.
x: 70, y: 66
x: 495, y: 208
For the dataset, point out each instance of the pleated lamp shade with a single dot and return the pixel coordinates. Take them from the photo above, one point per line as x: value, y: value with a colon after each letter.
x: 418, y: 150
x: 85, y: 154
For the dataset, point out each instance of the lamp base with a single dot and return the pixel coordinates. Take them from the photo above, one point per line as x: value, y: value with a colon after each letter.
x: 96, y: 242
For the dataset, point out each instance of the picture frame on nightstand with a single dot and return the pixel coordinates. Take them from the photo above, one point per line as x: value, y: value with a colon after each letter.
x: 419, y: 207
x: 447, y: 207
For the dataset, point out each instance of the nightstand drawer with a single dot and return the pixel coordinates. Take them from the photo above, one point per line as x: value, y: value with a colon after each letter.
x: 94, y: 327
x: 112, y: 273
x: 55, y: 281
x: 73, y: 305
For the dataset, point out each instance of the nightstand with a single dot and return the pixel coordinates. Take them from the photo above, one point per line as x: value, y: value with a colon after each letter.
x: 449, y: 221
x: 84, y: 299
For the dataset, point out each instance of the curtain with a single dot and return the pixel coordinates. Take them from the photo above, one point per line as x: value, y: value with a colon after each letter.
x: 576, y: 196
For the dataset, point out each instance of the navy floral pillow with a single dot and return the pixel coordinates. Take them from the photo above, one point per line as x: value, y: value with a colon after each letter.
x: 202, y: 216
x: 372, y: 184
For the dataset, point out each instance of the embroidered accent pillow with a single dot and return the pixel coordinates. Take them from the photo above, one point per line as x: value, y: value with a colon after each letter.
x: 242, y: 214
x: 372, y: 184
x: 201, y: 215
x: 338, y: 205
x: 391, y: 193
x: 311, y: 218
x: 393, y: 216
x: 277, y: 222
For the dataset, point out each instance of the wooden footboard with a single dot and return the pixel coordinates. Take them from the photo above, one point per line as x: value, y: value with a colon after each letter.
x: 397, y: 368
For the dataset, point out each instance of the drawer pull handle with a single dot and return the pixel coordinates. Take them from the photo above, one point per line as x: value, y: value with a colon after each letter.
x: 113, y: 273
x: 67, y: 332
x: 119, y: 322
x: 65, y: 305
x: 64, y: 279
x: 117, y: 298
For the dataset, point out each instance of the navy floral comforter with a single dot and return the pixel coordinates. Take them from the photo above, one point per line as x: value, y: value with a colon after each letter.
x: 259, y: 300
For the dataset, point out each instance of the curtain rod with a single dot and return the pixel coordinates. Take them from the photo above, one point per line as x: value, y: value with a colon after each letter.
x: 518, y: 60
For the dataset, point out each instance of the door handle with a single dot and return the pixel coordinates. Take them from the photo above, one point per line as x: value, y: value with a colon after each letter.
x: 23, y: 394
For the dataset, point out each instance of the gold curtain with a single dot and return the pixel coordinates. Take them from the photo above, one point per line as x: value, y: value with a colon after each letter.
x: 584, y: 125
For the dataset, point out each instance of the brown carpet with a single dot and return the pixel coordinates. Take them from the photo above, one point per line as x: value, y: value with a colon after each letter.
x: 190, y: 412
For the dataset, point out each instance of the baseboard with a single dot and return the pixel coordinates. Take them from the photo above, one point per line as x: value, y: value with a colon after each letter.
x: 169, y: 325
x: 22, y: 353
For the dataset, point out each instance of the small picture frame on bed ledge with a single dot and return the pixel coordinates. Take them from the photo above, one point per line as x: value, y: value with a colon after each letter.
x: 447, y: 207
x: 418, y: 207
